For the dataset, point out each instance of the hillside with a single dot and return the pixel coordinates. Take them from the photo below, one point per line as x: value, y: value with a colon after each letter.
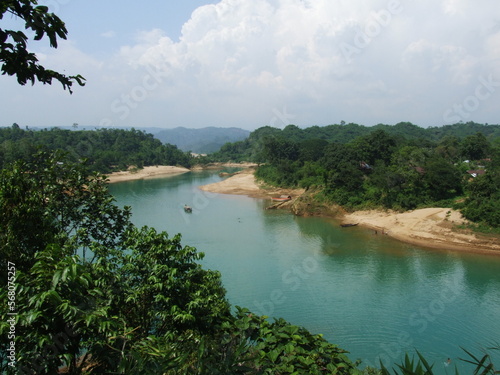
x: 446, y: 136
x: 201, y: 141
x: 106, y: 150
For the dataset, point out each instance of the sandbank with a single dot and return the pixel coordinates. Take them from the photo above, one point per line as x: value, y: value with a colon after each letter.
x: 436, y: 228
x: 146, y: 172
x: 244, y: 183
x: 221, y: 165
x: 428, y: 227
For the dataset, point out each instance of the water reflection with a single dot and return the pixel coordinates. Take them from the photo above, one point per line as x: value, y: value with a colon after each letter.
x: 369, y: 294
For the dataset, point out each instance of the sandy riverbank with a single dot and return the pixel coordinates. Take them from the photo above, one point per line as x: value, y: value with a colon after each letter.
x: 429, y: 227
x: 244, y: 183
x: 146, y: 172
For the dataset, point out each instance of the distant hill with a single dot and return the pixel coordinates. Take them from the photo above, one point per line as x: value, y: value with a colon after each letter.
x: 201, y: 141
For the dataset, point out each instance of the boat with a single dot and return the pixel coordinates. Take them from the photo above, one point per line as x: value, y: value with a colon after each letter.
x: 282, y: 198
x: 348, y: 225
x: 187, y: 208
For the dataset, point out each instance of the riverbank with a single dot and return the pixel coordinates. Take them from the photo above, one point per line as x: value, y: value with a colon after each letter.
x: 437, y: 228
x: 146, y: 172
x: 244, y: 183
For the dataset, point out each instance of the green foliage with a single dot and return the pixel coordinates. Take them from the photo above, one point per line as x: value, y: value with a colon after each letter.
x: 140, y: 302
x: 475, y: 147
x: 104, y: 149
x: 443, y: 179
x: 449, y: 138
x: 482, y: 366
x: 50, y: 200
x: 482, y: 204
x: 382, y: 168
x: 283, y: 348
x: 15, y: 58
x: 253, y: 345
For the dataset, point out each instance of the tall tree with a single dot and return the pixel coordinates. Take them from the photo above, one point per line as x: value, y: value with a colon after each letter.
x: 52, y: 201
x: 475, y: 147
x: 16, y: 59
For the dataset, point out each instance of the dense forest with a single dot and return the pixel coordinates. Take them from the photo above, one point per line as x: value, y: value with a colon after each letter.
x: 400, y: 167
x: 87, y: 292
x: 105, y: 150
x: 90, y: 293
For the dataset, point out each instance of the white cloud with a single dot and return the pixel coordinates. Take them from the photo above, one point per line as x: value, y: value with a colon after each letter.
x: 454, y: 7
x: 109, y: 34
x: 319, y: 56
x: 238, y: 62
x: 450, y: 63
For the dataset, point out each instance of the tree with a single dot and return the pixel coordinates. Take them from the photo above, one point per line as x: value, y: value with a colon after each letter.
x: 15, y: 58
x: 50, y: 200
x: 135, y: 292
x: 279, y: 149
x: 475, y: 147
x: 483, y: 201
x: 442, y: 178
x: 378, y: 145
x: 141, y: 305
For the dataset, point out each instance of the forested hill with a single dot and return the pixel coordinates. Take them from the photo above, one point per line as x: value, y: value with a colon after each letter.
x: 105, y: 149
x: 400, y: 167
x: 249, y: 149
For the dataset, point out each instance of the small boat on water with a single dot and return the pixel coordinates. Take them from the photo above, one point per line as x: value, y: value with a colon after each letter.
x: 348, y: 225
x: 282, y: 198
x: 187, y: 209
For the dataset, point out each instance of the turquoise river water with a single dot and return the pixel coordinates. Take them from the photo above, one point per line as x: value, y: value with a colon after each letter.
x: 371, y: 295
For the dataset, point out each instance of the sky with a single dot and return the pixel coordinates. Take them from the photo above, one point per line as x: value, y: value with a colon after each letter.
x: 252, y: 63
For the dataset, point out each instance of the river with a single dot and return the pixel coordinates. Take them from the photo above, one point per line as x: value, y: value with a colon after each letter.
x: 369, y: 294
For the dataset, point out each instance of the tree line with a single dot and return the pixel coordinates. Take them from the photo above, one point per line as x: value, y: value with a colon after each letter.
x: 94, y: 294
x: 401, y: 167
x: 105, y: 150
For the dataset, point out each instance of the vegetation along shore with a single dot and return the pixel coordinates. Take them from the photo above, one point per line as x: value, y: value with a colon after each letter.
x: 91, y: 293
x: 440, y: 228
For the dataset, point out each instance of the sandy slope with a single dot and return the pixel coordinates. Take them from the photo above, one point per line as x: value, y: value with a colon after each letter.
x: 429, y: 227
x: 244, y: 183
x: 146, y: 172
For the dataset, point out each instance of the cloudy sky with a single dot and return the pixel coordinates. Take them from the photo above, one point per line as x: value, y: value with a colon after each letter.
x: 250, y: 63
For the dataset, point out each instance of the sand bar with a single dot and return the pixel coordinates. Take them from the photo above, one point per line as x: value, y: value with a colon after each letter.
x: 244, y: 183
x: 429, y: 227
x: 146, y: 172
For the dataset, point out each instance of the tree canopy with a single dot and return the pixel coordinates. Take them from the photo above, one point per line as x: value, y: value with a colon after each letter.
x: 15, y: 57
x: 386, y: 167
x: 105, y: 150
x: 95, y: 294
